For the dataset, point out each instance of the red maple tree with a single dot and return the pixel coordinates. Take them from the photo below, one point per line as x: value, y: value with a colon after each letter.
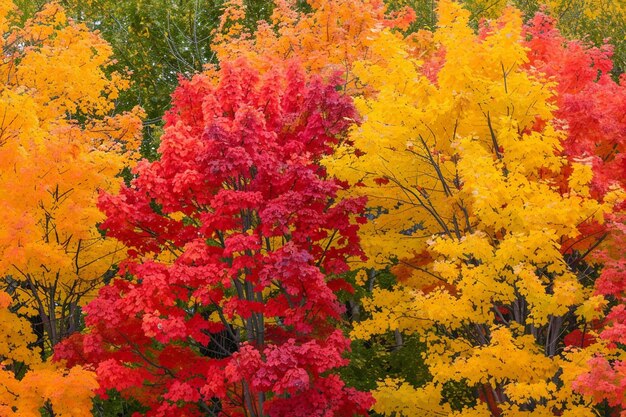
x: 226, y: 304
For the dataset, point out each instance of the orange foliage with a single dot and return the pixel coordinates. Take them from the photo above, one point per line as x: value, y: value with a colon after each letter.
x: 336, y: 33
x: 60, y: 143
x: 66, y: 391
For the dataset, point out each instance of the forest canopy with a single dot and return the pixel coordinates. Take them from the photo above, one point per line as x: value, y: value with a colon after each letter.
x: 313, y: 208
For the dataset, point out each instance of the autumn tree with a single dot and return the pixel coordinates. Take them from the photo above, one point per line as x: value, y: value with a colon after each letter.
x: 60, y: 143
x: 226, y: 304
x: 326, y: 36
x: 461, y: 157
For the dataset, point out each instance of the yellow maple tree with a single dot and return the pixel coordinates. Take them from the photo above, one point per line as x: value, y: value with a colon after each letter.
x: 459, y: 156
x: 60, y: 144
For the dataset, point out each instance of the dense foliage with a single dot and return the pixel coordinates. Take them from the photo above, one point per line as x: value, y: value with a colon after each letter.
x: 351, y: 207
x: 224, y: 304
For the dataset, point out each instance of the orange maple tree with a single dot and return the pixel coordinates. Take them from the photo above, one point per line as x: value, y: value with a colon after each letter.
x: 60, y: 143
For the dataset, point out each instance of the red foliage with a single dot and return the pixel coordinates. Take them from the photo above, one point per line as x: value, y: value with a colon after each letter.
x: 591, y: 104
x: 605, y: 381
x: 242, y: 316
x: 579, y: 339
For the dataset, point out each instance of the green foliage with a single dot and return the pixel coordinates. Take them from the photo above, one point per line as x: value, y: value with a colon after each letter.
x: 459, y: 394
x: 115, y: 406
x: 385, y: 356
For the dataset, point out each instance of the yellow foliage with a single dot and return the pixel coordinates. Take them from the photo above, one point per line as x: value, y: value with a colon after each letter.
x: 395, y: 396
x: 592, y: 308
x: 16, y: 335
